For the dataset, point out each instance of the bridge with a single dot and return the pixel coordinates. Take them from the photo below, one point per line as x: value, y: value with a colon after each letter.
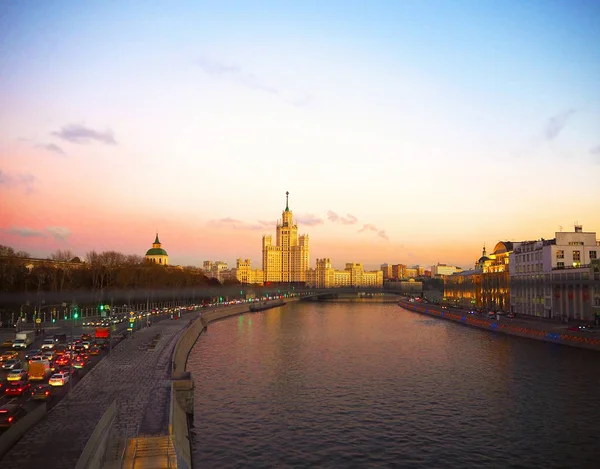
x: 333, y: 293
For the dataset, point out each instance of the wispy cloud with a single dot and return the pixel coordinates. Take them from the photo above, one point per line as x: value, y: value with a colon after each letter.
x: 51, y: 147
x: 347, y: 220
x: 59, y: 233
x: 25, y: 232
x: 235, y: 73
x: 80, y: 134
x: 25, y: 180
x: 352, y: 220
x: 309, y: 219
x: 234, y: 224
x: 556, y: 124
x: 595, y: 152
x: 302, y: 101
x: 368, y: 227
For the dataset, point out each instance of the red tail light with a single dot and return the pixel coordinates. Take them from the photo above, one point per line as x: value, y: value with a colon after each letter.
x: 10, y: 419
x: 20, y: 389
x: 47, y: 392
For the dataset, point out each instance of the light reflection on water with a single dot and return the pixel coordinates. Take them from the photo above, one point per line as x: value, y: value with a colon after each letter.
x: 370, y: 384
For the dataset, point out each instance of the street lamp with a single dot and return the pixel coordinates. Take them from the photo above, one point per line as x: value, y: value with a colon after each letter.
x: 74, y: 316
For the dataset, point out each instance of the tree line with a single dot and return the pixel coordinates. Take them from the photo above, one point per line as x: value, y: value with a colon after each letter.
x: 62, y: 271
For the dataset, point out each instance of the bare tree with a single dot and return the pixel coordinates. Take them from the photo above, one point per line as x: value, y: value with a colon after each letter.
x: 94, y: 260
x: 62, y: 255
x: 134, y: 259
x: 6, y: 251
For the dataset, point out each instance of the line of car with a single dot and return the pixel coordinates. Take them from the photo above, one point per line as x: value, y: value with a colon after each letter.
x: 20, y: 393
x: 77, y: 356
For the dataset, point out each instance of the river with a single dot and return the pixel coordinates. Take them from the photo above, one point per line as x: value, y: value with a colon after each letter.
x: 368, y: 384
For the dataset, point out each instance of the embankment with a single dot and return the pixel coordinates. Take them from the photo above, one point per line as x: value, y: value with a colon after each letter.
x: 546, y: 332
x: 182, y: 384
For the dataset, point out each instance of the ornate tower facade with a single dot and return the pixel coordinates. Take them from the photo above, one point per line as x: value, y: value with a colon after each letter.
x: 287, y: 260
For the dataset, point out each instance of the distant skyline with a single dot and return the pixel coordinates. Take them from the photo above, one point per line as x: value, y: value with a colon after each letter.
x: 406, y: 132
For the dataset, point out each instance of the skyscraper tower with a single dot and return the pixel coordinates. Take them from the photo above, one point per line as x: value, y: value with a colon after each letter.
x: 287, y: 260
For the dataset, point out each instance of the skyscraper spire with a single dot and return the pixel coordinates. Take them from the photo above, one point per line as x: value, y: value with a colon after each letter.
x: 287, y: 208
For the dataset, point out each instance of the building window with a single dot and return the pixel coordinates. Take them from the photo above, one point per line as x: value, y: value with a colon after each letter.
x: 560, y: 254
x: 576, y: 256
x: 592, y: 254
x: 560, y: 265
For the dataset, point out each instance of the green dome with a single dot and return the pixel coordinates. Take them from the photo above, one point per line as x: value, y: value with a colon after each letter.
x: 156, y: 252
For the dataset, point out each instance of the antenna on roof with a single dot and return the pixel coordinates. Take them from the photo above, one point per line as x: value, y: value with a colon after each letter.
x: 560, y: 228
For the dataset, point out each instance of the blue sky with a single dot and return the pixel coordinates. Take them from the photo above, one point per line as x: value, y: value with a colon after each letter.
x: 442, y: 124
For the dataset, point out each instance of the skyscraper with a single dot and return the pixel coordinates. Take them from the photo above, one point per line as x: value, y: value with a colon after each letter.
x: 287, y: 260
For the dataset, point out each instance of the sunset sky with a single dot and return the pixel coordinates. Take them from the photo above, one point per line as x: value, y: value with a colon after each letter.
x: 405, y: 131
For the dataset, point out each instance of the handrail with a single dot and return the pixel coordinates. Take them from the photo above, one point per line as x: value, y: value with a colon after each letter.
x: 168, y: 452
x: 134, y: 453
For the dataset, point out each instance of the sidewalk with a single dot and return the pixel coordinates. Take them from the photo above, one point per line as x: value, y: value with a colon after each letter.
x: 138, y: 378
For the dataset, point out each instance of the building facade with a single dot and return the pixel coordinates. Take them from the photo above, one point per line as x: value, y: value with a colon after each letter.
x: 289, y: 258
x: 216, y: 269
x: 555, y: 278
x: 399, y: 271
x: 495, y: 279
x: 487, y: 286
x: 442, y: 270
x: 156, y: 254
x: 463, y: 289
x: 354, y: 275
x: 244, y: 273
x: 387, y: 271
x: 393, y: 271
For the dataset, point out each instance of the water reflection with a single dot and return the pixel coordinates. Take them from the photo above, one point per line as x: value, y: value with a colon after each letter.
x: 366, y: 384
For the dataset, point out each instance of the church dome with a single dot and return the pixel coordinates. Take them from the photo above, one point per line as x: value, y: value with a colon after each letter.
x: 483, y: 259
x: 156, y: 252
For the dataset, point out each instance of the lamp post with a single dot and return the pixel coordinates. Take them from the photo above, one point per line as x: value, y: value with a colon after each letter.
x: 21, y: 315
x: 71, y: 354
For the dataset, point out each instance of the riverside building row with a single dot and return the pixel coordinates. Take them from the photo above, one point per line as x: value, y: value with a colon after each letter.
x: 287, y: 260
x: 551, y: 278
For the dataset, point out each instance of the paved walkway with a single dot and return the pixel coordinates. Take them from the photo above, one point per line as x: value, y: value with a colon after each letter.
x: 138, y: 379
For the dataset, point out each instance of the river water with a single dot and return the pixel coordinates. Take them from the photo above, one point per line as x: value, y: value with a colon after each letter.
x: 364, y: 384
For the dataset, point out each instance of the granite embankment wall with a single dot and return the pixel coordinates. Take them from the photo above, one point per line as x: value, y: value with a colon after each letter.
x: 182, y: 384
x: 546, y: 332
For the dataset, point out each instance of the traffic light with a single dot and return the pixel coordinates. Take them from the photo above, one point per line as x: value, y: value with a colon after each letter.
x: 101, y: 307
x: 75, y: 314
x: 53, y: 319
x: 220, y: 299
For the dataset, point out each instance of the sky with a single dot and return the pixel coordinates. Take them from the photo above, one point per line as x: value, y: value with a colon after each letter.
x: 406, y: 132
